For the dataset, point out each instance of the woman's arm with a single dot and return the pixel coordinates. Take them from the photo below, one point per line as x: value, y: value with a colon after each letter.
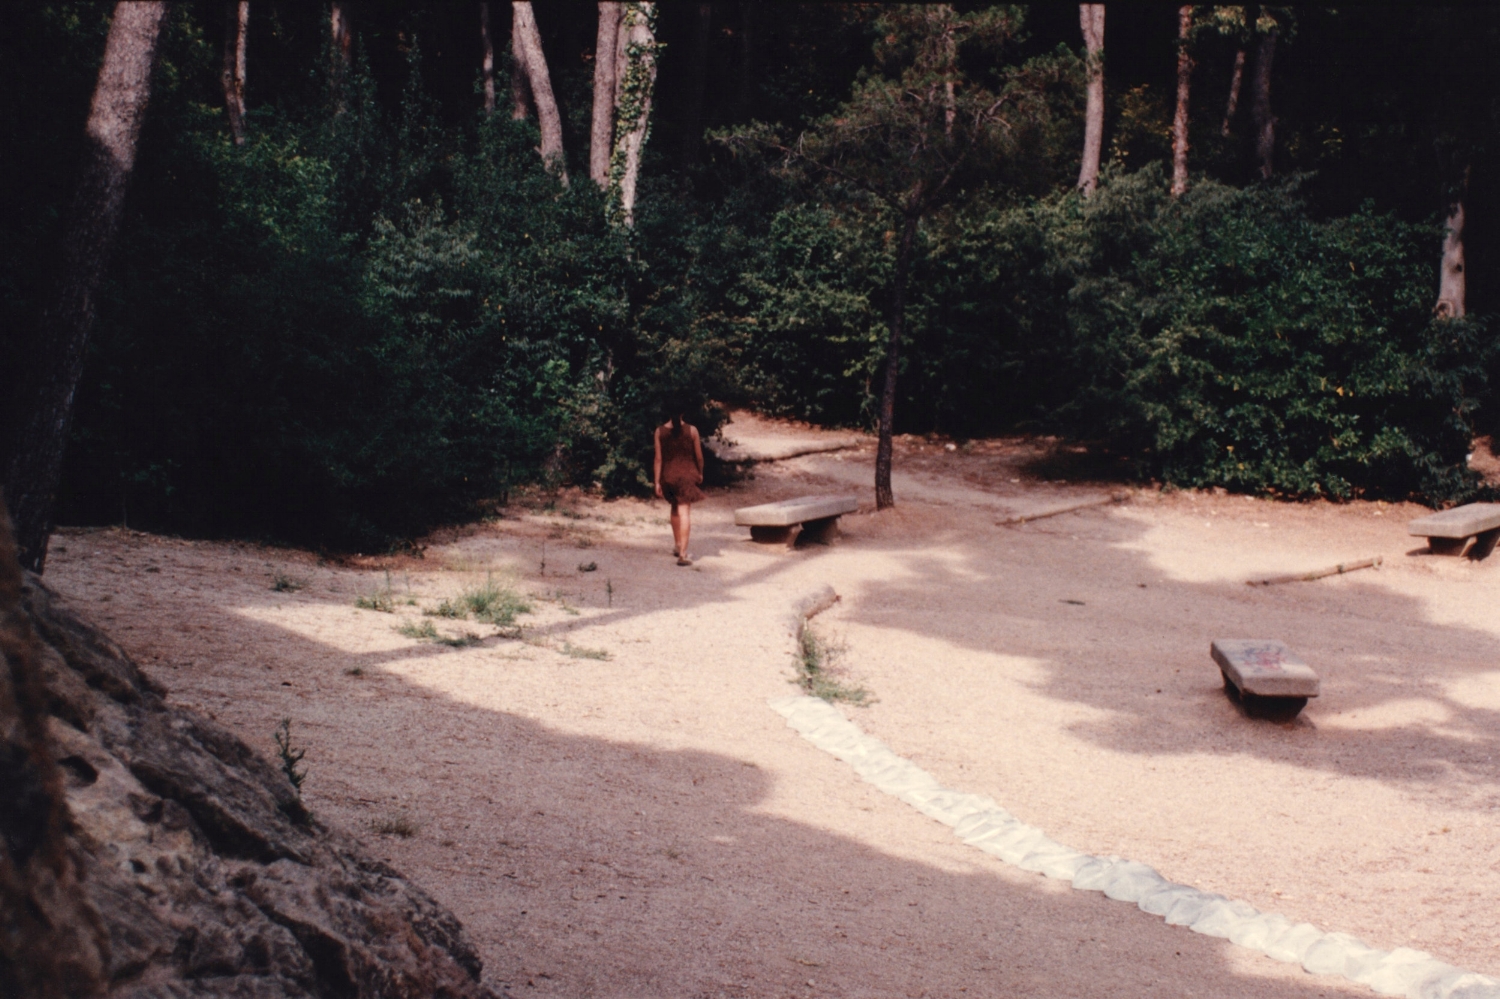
x: 698, y: 452
x: 656, y: 466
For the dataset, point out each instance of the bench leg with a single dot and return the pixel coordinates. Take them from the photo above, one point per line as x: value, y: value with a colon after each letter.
x: 1484, y: 544
x: 1447, y: 546
x: 774, y: 535
x: 823, y: 532
x: 1277, y: 709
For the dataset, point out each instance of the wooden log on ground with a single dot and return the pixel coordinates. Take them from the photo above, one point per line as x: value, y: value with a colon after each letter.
x: 1023, y: 518
x: 1304, y: 577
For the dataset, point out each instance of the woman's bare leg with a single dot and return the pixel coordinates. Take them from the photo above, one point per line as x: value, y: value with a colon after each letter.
x: 678, y: 541
x: 685, y: 519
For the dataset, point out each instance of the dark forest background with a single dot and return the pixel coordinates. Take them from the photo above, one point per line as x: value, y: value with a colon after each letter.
x: 380, y: 312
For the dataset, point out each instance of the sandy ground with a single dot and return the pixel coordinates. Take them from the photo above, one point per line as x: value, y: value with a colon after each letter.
x: 643, y: 825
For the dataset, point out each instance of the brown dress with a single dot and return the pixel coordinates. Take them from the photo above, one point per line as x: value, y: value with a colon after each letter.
x: 680, y: 473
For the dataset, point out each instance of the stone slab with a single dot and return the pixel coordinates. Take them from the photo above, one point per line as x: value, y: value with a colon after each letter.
x: 1460, y: 522
x: 1264, y: 667
x: 795, y: 511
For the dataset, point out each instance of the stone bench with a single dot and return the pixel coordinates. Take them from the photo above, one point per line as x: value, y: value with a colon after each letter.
x: 812, y: 517
x: 1449, y: 531
x: 1265, y: 677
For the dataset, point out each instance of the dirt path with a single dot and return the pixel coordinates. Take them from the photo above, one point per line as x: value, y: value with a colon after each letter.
x: 643, y: 825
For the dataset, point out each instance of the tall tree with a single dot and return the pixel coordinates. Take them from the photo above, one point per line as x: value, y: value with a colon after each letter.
x: 1236, y: 81
x: 1184, y: 89
x: 635, y: 82
x: 340, y: 44
x: 602, y: 125
x: 892, y: 144
x: 1260, y: 108
x: 121, y: 93
x: 520, y: 88
x: 1452, y: 282
x: 487, y: 67
x: 523, y: 24
x: 692, y: 117
x: 236, y: 26
x: 1091, y: 19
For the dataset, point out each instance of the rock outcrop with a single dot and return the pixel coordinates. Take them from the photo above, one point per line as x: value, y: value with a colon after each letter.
x: 198, y: 870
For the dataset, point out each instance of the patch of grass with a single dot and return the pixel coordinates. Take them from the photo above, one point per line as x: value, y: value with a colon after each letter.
x: 399, y: 824
x: 381, y: 600
x: 448, y: 608
x: 424, y: 631
x: 495, y: 604
x: 820, y: 673
x: 463, y: 641
x: 583, y: 652
x: 282, y: 583
x: 291, y: 756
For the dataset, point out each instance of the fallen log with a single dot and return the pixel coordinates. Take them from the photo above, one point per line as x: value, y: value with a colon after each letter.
x: 1023, y: 518
x: 1304, y: 577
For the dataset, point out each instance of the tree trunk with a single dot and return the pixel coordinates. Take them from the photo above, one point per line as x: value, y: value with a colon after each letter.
x: 606, y: 55
x: 547, y: 115
x: 340, y: 39
x: 1091, y: 18
x: 634, y: 85
x: 747, y: 57
x: 1236, y: 80
x: 692, y: 118
x: 1184, y: 88
x: 236, y: 24
x: 520, y: 90
x: 883, y: 496
x: 1452, y: 285
x: 1265, y: 122
x: 114, y: 125
x: 487, y: 70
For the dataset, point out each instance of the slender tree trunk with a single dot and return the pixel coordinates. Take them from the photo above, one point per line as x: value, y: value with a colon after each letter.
x: 1265, y: 121
x: 635, y: 82
x: 1236, y: 80
x: 1091, y: 19
x: 341, y: 40
x: 1184, y: 88
x: 747, y: 57
x: 883, y: 496
x: 487, y: 70
x: 236, y: 25
x: 692, y: 118
x: 602, y: 127
x: 950, y: 93
x: 547, y: 115
x: 520, y: 89
x: 114, y: 126
x: 1452, y: 284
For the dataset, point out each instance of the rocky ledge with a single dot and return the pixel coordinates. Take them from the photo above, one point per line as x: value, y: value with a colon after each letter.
x: 192, y: 867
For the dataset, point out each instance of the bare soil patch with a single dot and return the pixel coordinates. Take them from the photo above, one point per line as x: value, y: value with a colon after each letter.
x: 611, y: 808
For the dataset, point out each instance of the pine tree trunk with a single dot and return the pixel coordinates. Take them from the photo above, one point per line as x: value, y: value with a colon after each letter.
x: 114, y: 126
x: 1184, y: 88
x: 634, y: 84
x: 1236, y: 80
x: 1452, y: 283
x: 1091, y: 19
x: 487, y: 67
x: 340, y: 42
x: 884, y: 498
x: 520, y: 89
x: 692, y: 118
x: 547, y: 115
x: 236, y: 24
x: 1265, y: 122
x: 602, y: 126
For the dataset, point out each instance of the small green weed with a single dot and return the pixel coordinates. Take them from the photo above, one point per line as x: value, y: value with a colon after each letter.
x: 424, y: 631
x: 463, y: 641
x: 819, y: 672
x: 397, y: 825
x: 495, y: 604
x: 291, y: 757
x: 448, y: 608
x: 381, y: 600
x: 584, y: 652
x: 282, y: 583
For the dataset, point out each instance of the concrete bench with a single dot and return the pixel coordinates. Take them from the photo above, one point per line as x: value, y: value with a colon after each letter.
x: 1449, y: 531
x: 1265, y: 677
x: 812, y: 517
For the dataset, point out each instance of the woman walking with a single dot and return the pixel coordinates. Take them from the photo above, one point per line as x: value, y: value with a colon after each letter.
x: 678, y: 474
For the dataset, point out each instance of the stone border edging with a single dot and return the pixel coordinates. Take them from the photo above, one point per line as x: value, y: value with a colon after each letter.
x: 980, y: 822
